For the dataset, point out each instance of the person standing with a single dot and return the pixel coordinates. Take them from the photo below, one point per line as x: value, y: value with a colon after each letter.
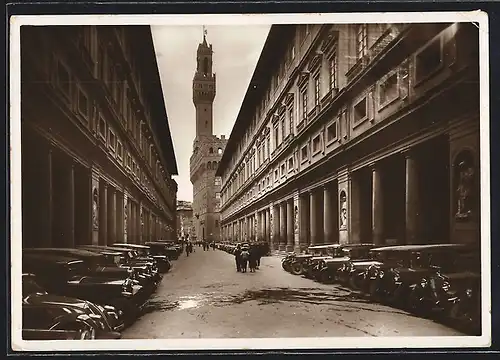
x: 237, y: 255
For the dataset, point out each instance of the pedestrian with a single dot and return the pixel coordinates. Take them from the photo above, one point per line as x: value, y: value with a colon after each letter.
x: 187, y: 249
x: 244, y: 256
x: 237, y: 255
x: 252, y: 259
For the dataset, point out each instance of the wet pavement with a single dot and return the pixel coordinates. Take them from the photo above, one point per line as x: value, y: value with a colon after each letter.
x: 204, y: 297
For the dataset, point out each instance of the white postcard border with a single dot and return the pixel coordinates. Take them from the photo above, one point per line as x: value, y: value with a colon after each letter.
x: 479, y: 17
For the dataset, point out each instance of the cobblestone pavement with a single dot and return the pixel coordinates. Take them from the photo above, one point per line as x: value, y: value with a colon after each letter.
x: 204, y: 297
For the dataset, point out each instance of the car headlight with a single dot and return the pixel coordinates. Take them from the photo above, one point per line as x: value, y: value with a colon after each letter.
x: 446, y: 286
x: 468, y: 293
x: 381, y: 274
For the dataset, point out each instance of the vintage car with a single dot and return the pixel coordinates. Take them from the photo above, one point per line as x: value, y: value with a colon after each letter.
x: 55, y: 334
x: 96, y: 263
x: 174, y: 244
x: 162, y: 248
x: 107, y: 324
x: 56, y: 322
x: 303, y: 264
x: 144, y: 251
x: 286, y: 262
x: 312, y: 266
x: 71, y: 277
x: 391, y: 281
x: 144, y: 271
x: 452, y: 289
x: 335, y: 269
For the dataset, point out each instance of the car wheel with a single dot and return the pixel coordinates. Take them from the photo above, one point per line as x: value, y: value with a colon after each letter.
x: 415, y: 303
x: 373, y: 291
x: 324, y: 277
x: 296, y: 269
x: 352, y: 283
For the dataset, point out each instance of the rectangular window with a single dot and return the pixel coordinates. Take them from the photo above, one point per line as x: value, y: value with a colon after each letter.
x: 304, y: 153
x: 111, y: 140
x: 283, y: 128
x: 303, y: 96
x: 388, y: 89
x: 129, y: 161
x: 102, y: 127
x: 317, y: 88
x: 263, y: 151
x: 259, y: 155
x: 291, y: 123
x: 283, y: 168
x: 276, y: 175
x: 333, y: 70
x: 361, y: 41
x: 360, y: 111
x: 316, y: 144
x: 268, y: 147
x: 276, y: 136
x: 331, y: 132
x: 63, y: 78
x: 428, y: 60
x: 290, y: 163
x: 119, y: 150
x: 83, y: 104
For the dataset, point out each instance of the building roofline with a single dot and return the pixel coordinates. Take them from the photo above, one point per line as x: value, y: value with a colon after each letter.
x: 276, y: 42
x: 155, y: 93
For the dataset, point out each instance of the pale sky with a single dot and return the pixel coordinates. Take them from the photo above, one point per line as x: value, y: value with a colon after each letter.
x: 236, y: 51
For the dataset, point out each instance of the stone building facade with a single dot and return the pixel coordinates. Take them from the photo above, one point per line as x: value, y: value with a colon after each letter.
x: 185, y: 223
x: 207, y: 150
x: 357, y: 133
x: 97, y: 155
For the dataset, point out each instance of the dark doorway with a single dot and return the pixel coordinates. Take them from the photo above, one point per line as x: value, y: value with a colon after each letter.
x: 364, y: 177
x: 393, y: 189
x: 434, y: 190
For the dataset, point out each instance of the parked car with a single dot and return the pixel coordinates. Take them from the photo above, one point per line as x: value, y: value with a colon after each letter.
x: 71, y: 277
x: 336, y: 269
x: 144, y: 251
x: 105, y: 323
x: 143, y: 270
x: 408, y: 265
x: 286, y: 262
x: 55, y: 334
x: 51, y: 322
x: 98, y: 264
x: 163, y: 248
x: 311, y: 266
x: 452, y: 289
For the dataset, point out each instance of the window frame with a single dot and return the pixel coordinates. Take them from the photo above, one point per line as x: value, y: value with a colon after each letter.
x: 388, y: 101
x: 335, y: 124
x: 361, y: 41
x: 304, y: 155
x: 316, y: 140
x: 365, y: 117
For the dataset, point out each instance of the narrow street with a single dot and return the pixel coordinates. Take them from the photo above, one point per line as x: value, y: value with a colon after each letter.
x: 204, y: 297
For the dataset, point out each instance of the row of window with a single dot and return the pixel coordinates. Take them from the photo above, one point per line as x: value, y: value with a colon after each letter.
x: 75, y: 95
x: 390, y: 87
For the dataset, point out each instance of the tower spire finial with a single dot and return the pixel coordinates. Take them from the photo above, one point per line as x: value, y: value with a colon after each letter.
x: 204, y: 34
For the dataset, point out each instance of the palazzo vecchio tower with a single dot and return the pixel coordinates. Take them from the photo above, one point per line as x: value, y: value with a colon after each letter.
x: 207, y: 150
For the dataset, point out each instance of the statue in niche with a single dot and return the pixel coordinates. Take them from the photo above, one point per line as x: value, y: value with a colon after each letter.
x: 95, y: 209
x: 343, y: 210
x: 464, y: 175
